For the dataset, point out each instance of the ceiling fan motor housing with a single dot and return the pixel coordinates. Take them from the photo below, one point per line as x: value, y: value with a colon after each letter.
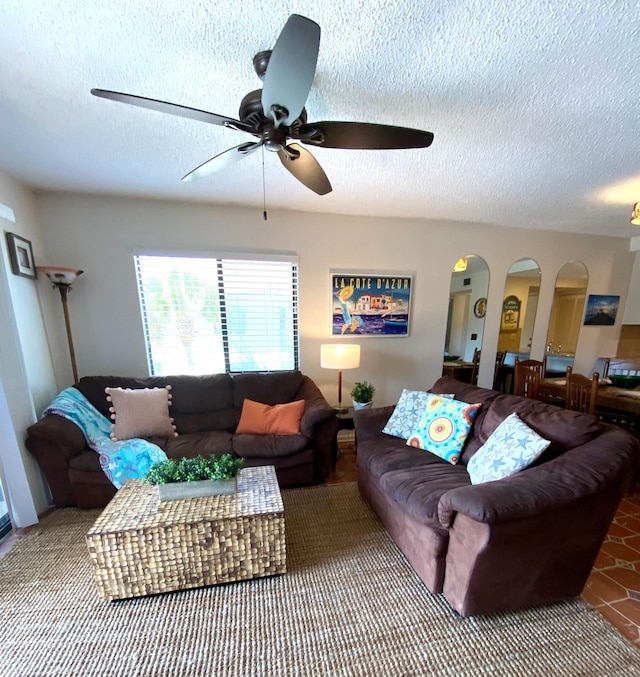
x: 250, y: 112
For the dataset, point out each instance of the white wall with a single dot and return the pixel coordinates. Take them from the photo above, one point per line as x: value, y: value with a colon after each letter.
x: 632, y: 309
x: 26, y: 371
x: 99, y: 234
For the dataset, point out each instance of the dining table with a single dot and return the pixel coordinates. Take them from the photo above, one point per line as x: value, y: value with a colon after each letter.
x: 458, y: 369
x: 609, y: 396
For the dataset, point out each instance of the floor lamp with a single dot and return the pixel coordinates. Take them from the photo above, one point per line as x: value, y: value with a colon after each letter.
x: 339, y: 356
x: 62, y: 279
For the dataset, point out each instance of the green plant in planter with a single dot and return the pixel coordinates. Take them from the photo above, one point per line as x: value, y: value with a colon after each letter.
x: 194, y: 469
x: 362, y: 391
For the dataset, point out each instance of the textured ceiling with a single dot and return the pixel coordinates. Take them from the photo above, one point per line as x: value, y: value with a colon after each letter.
x: 534, y: 104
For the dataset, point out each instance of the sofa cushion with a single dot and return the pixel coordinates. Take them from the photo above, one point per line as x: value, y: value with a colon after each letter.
x: 203, y: 403
x: 140, y: 413
x: 444, y: 427
x: 407, y: 414
x: 264, y: 419
x: 267, y: 446
x: 414, y: 479
x: 275, y: 388
x: 566, y: 429
x: 87, y: 461
x: 200, y: 403
x: 214, y: 442
x: 511, y: 447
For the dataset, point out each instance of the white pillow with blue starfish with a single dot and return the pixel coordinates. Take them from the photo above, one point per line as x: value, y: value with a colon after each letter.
x: 407, y: 413
x: 511, y: 447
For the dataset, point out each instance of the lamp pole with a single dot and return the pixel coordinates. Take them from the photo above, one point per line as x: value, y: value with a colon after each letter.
x: 62, y: 279
x: 64, y: 290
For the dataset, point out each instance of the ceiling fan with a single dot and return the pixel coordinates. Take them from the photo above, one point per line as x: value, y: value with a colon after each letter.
x: 276, y: 115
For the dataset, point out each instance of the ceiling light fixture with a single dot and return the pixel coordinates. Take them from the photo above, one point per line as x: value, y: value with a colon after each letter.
x: 461, y: 266
x: 635, y: 216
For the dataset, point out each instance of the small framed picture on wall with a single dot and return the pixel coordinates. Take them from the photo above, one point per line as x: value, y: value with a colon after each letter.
x: 21, y: 256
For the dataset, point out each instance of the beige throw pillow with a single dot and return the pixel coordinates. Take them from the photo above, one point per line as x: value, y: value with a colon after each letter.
x: 142, y: 412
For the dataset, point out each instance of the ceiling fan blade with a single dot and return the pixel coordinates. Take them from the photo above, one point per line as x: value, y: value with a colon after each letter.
x: 174, y: 109
x: 361, y: 135
x: 305, y: 168
x: 222, y: 160
x: 291, y: 68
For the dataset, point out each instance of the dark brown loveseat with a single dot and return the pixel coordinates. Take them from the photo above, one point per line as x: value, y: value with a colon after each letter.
x: 527, y: 539
x: 206, y: 410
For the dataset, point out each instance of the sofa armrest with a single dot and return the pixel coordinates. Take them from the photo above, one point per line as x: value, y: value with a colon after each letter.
x: 606, y: 461
x: 54, y: 441
x: 370, y: 422
x: 59, y: 434
x: 319, y: 424
x: 316, y: 408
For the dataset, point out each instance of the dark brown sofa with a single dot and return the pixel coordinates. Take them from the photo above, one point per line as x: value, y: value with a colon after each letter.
x: 530, y: 538
x: 206, y: 410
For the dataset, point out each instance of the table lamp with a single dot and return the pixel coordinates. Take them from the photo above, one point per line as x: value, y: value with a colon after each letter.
x: 339, y: 356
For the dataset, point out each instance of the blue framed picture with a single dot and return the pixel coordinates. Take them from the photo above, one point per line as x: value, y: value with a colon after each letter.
x: 370, y: 304
x: 601, y: 310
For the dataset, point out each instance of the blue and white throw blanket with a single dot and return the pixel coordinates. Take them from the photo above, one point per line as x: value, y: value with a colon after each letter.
x: 122, y: 460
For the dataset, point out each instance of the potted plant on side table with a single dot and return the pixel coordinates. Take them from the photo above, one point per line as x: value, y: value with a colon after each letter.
x: 195, y: 477
x: 362, y: 394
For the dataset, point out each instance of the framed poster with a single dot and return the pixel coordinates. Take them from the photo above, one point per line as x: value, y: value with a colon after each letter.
x: 510, y: 314
x: 601, y: 310
x: 370, y: 304
x: 21, y: 256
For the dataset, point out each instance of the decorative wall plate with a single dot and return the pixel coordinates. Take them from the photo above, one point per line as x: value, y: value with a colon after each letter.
x: 480, y: 307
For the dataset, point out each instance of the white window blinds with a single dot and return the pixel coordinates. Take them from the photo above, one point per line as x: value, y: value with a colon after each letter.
x: 210, y: 315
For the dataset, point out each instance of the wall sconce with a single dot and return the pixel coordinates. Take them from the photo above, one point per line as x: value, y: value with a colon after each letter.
x: 635, y: 216
x: 62, y: 279
x: 339, y: 356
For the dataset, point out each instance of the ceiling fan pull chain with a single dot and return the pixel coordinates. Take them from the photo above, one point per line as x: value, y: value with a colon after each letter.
x: 264, y: 190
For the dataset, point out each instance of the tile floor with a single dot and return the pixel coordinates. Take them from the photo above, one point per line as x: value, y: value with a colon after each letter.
x: 614, y: 585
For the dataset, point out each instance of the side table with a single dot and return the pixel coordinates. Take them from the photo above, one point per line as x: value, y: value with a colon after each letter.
x: 345, y: 418
x: 345, y: 422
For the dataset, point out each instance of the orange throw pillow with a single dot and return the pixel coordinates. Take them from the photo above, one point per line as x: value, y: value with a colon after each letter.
x: 261, y: 419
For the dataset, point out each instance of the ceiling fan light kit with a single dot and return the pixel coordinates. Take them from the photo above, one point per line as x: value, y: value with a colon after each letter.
x: 276, y: 115
x: 635, y: 216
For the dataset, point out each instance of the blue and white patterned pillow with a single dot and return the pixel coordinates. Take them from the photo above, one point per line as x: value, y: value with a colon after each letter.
x: 511, y: 447
x: 444, y: 427
x: 407, y: 413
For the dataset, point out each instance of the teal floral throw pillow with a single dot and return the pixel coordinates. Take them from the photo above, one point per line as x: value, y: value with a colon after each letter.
x: 407, y: 413
x: 511, y: 447
x: 444, y: 427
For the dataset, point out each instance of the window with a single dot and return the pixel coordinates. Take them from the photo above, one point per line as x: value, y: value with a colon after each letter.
x: 211, y: 315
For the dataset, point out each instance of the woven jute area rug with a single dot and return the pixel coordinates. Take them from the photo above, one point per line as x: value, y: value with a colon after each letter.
x: 348, y: 605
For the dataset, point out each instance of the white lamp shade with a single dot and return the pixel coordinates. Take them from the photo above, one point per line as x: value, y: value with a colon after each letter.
x: 59, y: 275
x: 339, y: 355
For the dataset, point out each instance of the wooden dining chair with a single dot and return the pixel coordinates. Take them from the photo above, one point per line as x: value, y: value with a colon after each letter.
x: 498, y: 377
x: 474, y: 369
x: 527, y: 382
x: 539, y: 365
x: 581, y: 392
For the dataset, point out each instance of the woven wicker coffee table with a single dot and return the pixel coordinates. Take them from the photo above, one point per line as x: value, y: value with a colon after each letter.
x: 141, y: 546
